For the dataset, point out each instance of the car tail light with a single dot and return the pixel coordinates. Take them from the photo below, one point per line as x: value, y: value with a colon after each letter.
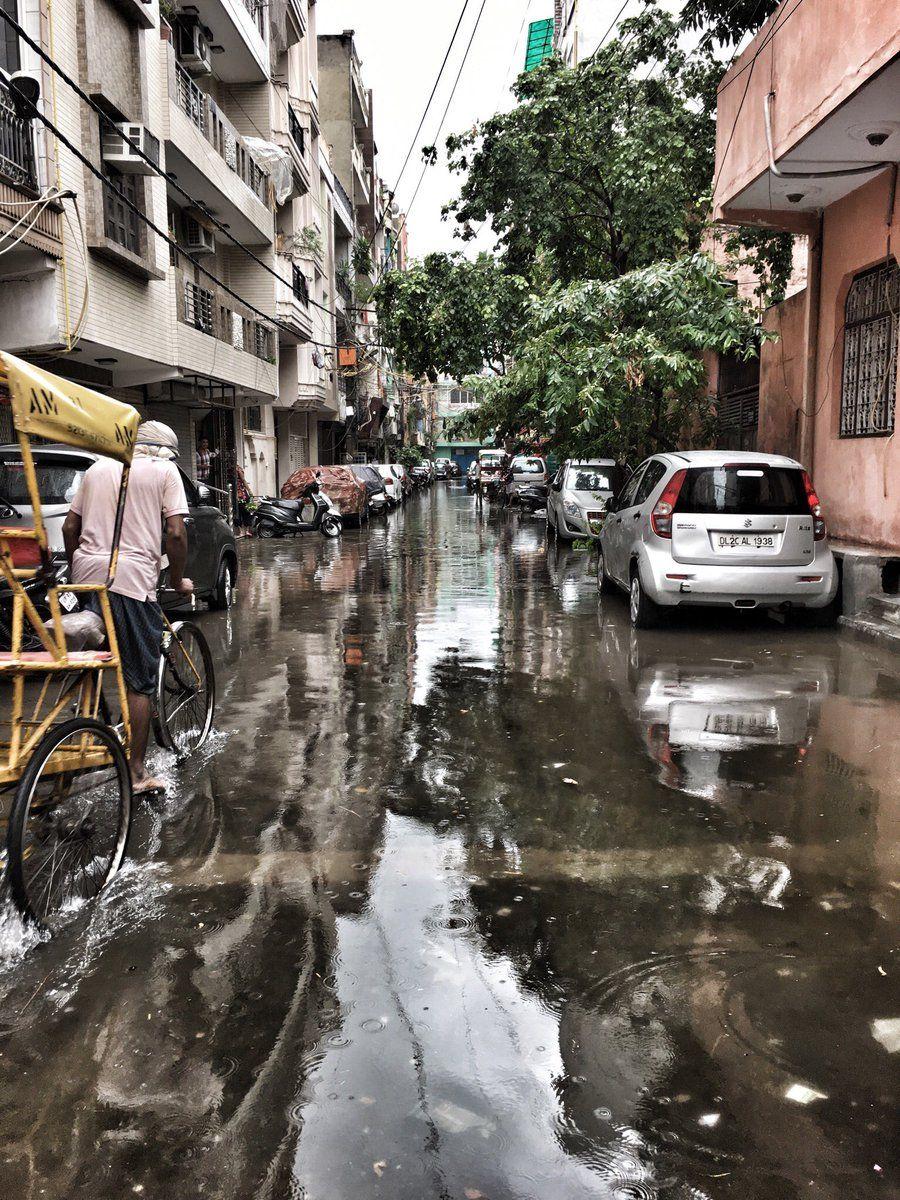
x: 661, y: 517
x: 819, y: 527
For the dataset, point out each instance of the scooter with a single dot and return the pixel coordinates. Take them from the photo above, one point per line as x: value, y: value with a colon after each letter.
x: 532, y: 497
x: 278, y: 518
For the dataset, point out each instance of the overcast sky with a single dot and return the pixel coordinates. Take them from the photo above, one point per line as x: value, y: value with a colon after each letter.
x: 401, y: 44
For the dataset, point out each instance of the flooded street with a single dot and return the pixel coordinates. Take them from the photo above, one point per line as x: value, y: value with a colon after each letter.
x: 477, y: 894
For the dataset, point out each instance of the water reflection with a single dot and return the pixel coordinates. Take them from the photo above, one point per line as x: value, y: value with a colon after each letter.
x: 479, y: 894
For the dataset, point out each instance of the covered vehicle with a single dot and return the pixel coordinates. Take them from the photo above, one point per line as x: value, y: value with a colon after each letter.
x: 369, y: 477
x: 579, y: 493
x: 339, y: 484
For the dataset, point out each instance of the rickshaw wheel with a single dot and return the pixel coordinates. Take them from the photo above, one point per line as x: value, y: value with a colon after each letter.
x: 185, y: 705
x: 68, y: 831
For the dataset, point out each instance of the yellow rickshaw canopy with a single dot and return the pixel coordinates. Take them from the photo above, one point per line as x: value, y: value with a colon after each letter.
x: 51, y: 407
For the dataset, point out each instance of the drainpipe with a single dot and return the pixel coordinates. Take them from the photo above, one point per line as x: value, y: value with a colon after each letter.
x: 807, y: 446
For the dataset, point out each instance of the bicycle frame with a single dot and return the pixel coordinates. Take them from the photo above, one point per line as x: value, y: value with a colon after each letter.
x: 48, y: 406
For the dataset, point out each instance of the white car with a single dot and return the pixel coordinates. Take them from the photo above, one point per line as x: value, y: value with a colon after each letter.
x: 393, y: 485
x: 576, y: 504
x: 725, y: 528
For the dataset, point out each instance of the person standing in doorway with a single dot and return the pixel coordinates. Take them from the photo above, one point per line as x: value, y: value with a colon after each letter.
x: 155, y: 495
x: 204, y: 460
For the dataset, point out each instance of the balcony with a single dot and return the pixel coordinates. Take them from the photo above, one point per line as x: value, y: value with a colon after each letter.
x: 219, y: 338
x: 17, y: 162
x: 360, y: 95
x: 238, y: 26
x: 343, y: 208
x: 210, y: 159
x: 295, y: 141
x: 292, y: 300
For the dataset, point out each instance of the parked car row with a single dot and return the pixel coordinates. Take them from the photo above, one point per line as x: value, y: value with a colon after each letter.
x: 727, y: 529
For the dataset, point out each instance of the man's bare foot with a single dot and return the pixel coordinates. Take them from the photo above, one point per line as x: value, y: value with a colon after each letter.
x: 148, y: 786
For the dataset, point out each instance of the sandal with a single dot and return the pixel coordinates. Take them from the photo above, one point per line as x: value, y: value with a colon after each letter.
x: 149, y: 788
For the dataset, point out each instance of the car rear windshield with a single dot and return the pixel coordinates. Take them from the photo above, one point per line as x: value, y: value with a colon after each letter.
x: 591, y: 479
x: 744, y: 489
x: 58, y: 480
x: 528, y: 466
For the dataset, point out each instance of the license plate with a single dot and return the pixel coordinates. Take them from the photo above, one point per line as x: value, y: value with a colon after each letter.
x: 745, y: 541
x: 68, y: 601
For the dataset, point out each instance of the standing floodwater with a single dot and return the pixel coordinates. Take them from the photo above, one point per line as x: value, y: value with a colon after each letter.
x: 476, y: 893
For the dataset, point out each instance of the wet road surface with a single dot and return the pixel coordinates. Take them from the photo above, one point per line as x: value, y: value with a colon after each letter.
x: 477, y: 894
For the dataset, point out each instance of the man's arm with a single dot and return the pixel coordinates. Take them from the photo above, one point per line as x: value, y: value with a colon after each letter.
x: 176, y: 550
x: 71, y: 536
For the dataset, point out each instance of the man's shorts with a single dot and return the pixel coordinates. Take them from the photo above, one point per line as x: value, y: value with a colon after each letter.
x: 139, y: 630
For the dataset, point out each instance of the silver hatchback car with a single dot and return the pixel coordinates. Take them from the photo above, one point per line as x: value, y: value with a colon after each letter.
x: 579, y: 493
x: 725, y: 528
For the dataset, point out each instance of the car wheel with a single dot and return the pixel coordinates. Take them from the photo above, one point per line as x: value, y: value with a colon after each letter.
x: 644, y: 613
x: 223, y: 596
x: 604, y: 583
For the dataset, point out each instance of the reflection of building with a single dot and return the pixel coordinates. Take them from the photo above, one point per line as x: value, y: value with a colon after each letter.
x: 828, y: 385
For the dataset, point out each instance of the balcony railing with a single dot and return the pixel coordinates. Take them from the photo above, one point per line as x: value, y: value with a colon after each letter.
x: 297, y: 132
x: 344, y: 291
x: 17, y: 162
x: 220, y: 133
x: 342, y: 192
x: 300, y: 287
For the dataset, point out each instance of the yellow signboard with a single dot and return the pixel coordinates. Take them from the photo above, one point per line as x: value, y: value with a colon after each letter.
x: 51, y: 407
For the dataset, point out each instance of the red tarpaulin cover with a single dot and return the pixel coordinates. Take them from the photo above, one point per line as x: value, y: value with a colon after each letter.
x: 338, y: 483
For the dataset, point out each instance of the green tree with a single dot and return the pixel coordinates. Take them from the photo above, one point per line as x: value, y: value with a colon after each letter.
x: 615, y: 367
x: 447, y: 315
x: 726, y: 20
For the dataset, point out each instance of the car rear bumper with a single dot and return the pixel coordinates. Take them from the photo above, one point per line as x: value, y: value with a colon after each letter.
x: 671, y: 583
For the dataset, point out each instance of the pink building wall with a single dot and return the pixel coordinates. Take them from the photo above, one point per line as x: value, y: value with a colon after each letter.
x: 858, y: 478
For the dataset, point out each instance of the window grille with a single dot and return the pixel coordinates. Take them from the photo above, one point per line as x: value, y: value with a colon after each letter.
x: 198, y: 307
x: 869, y: 379
x: 120, y: 221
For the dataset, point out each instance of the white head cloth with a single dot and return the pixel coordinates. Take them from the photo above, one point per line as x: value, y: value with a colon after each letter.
x: 156, y: 440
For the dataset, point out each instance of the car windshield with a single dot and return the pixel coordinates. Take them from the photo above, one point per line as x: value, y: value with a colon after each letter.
x: 591, y: 479
x: 58, y: 480
x: 744, y: 489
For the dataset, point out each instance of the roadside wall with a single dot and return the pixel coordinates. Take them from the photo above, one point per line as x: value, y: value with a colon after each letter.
x: 781, y: 368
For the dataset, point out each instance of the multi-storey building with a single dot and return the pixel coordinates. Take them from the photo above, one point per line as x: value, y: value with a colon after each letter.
x: 579, y: 27
x: 91, y: 289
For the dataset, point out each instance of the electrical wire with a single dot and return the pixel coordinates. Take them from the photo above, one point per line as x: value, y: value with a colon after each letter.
x: 107, y: 120
x: 385, y: 265
x: 31, y: 217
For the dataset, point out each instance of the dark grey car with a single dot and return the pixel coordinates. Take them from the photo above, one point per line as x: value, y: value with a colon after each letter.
x: 212, y: 556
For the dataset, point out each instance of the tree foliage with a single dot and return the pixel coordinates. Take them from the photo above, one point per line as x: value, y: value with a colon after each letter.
x: 616, y: 367
x: 726, y: 20
x: 447, y: 315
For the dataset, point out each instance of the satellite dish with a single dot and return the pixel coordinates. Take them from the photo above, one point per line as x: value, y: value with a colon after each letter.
x: 318, y: 360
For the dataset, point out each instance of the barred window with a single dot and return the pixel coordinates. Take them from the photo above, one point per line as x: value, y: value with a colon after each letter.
x: 121, y: 221
x: 869, y: 381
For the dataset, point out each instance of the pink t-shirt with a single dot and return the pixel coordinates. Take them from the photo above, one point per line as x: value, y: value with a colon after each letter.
x: 155, y: 491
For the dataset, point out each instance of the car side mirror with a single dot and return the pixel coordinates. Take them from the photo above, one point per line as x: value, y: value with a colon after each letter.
x: 612, y: 504
x: 204, y: 495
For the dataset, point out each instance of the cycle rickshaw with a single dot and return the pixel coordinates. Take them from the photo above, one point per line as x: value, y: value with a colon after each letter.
x: 65, y: 787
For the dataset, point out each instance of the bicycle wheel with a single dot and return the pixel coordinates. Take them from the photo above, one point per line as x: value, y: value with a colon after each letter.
x: 186, y: 690
x: 68, y: 830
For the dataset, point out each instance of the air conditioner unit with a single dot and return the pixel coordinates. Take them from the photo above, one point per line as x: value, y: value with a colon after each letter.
x: 120, y: 149
x: 197, y: 239
x: 192, y: 47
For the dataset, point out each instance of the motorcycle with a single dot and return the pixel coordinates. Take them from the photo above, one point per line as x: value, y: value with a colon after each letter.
x: 274, y: 518
x: 532, y: 497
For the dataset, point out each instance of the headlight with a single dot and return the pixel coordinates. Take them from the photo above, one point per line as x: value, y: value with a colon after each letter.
x: 571, y: 508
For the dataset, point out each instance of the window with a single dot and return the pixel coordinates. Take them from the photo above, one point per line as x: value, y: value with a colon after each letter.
x: 869, y: 380
x: 744, y: 489
x: 253, y: 418
x: 652, y: 477
x: 631, y: 487
x: 9, y: 39
x: 120, y: 221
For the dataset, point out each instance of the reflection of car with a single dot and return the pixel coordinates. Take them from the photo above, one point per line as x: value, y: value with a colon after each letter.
x: 212, y: 556
x: 726, y: 528
x: 339, y: 484
x: 578, y: 497
x: 369, y: 476
x: 525, y: 470
x: 392, y: 485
